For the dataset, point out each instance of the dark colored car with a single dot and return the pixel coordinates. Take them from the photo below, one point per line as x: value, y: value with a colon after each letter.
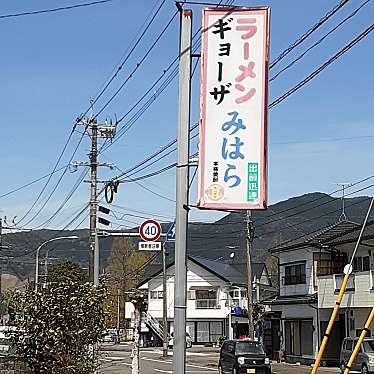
x: 243, y: 357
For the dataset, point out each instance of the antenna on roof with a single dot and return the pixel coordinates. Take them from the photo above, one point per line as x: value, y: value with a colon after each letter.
x: 343, y: 216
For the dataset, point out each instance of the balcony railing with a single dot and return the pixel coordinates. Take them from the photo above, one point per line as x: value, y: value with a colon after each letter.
x: 338, y: 280
x: 207, y: 304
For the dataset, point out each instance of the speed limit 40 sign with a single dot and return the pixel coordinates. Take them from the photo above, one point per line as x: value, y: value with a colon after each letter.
x: 150, y: 230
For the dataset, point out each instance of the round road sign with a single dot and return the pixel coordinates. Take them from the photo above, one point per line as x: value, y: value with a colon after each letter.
x: 150, y: 230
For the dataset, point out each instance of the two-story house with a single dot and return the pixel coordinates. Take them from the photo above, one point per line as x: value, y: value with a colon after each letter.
x: 216, y: 299
x: 310, y: 276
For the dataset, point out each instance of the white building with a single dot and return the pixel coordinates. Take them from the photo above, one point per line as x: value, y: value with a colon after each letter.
x: 310, y: 276
x: 217, y: 299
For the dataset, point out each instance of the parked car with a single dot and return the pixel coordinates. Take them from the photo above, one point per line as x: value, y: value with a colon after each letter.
x: 365, y: 358
x: 243, y: 357
x: 188, y: 340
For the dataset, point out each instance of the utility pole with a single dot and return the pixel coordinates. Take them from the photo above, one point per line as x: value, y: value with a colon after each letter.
x: 249, y: 239
x: 165, y: 303
x: 1, y: 247
x: 93, y: 198
x: 137, y: 299
x: 118, y: 313
x: 184, y: 103
x: 107, y: 132
x: 343, y: 216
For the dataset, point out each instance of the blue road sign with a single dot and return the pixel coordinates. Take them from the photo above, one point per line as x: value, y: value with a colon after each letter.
x: 170, y: 235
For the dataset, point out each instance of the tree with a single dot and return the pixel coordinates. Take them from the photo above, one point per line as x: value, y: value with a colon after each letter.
x: 67, y: 270
x: 59, y: 324
x: 124, y: 268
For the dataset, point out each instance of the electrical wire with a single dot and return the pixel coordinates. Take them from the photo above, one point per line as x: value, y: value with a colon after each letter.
x: 310, y: 31
x: 51, y: 10
x: 341, y: 52
x: 67, y: 198
x: 57, y: 184
x: 128, y: 55
x: 138, y: 64
x: 293, y: 62
x: 168, y: 80
x: 292, y: 90
x: 50, y: 175
x: 31, y: 183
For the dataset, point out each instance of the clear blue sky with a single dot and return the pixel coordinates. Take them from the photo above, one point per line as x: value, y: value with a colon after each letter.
x: 52, y: 63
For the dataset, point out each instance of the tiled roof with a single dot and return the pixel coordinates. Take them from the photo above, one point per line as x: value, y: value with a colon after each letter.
x: 340, y: 232
x: 232, y: 273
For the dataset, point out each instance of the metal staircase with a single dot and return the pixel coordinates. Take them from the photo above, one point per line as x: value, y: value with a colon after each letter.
x: 155, y: 325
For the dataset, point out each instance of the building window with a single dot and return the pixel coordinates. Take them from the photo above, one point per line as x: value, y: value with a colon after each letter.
x: 215, y: 331
x: 338, y: 280
x: 156, y: 295
x: 153, y: 295
x: 361, y: 263
x: 205, y: 331
x: 207, y: 299
x: 202, y: 330
x: 191, y: 295
x: 295, y: 274
x: 190, y: 328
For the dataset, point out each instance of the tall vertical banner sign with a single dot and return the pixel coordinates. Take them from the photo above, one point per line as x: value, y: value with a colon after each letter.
x: 233, y: 109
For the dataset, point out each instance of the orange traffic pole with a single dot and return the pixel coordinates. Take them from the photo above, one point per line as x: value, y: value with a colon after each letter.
x: 331, y: 323
x: 359, y: 342
x: 347, y: 271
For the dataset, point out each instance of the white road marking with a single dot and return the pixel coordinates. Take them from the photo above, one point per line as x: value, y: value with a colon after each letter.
x: 113, y: 358
x: 192, y: 365
x: 170, y: 353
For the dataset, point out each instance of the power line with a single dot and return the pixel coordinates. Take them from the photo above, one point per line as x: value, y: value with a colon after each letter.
x: 319, y: 41
x: 141, y: 111
x: 346, y: 48
x: 128, y: 55
x: 138, y: 64
x: 50, y: 175
x: 164, y: 85
x: 12, y: 15
x: 310, y: 31
x: 55, y: 187
x: 292, y: 90
x: 67, y: 198
x: 31, y: 183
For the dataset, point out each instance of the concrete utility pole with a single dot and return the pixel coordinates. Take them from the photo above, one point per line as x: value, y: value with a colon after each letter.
x: 118, y: 313
x: 1, y: 247
x: 165, y: 303
x: 249, y: 238
x: 107, y: 132
x: 137, y: 299
x: 184, y: 102
x: 93, y: 198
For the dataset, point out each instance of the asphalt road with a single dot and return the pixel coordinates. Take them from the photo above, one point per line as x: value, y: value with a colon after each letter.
x: 200, y: 360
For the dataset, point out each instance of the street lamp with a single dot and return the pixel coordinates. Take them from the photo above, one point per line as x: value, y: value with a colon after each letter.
x: 38, y: 250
